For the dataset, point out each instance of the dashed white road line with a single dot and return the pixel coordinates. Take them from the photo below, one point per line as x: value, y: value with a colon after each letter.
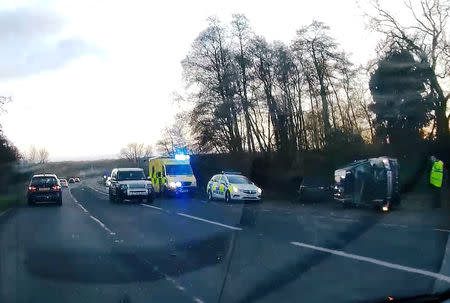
x: 174, y: 282
x: 96, y: 190
x: 82, y: 207
x: 197, y: 300
x: 375, y: 261
x: 92, y: 217
x: 151, y: 206
x: 209, y: 221
x: 101, y: 224
x: 6, y: 211
x: 443, y: 230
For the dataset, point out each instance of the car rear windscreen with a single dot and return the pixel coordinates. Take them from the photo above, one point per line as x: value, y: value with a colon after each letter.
x: 44, y: 181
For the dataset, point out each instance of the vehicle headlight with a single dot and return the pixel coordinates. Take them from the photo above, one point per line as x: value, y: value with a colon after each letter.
x: 148, y: 185
x: 124, y: 187
x: 172, y: 184
x: 178, y: 184
x: 235, y: 189
x: 259, y: 190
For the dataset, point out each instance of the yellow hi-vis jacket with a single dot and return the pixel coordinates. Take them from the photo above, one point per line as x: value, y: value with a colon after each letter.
x: 437, y: 172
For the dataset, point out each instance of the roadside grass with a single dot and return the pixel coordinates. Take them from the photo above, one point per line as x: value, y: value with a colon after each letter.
x: 15, y: 196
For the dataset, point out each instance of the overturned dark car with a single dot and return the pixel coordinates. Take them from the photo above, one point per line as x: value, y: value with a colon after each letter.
x: 373, y: 182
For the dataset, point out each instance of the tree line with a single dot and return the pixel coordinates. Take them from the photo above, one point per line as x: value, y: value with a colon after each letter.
x: 249, y: 94
x: 8, y: 152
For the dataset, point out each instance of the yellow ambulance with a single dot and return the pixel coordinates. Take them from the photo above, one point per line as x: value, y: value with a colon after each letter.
x: 172, y: 175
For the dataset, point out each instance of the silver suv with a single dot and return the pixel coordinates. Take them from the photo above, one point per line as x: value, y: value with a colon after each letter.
x: 130, y: 184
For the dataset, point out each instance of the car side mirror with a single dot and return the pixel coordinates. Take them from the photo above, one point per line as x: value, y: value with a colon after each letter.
x: 149, y: 178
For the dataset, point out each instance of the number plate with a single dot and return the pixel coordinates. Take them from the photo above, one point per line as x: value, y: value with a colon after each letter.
x: 183, y: 191
x: 44, y: 189
x: 136, y: 193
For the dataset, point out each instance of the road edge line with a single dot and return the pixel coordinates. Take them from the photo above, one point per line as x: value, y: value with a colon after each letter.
x: 208, y: 221
x: 6, y: 211
x: 375, y: 261
x: 151, y: 206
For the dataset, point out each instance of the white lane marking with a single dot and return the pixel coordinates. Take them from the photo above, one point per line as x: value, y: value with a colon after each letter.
x: 443, y: 230
x: 78, y: 203
x: 344, y: 219
x: 99, y: 191
x: 197, y: 300
x: 393, y: 225
x: 101, y: 224
x: 81, y: 206
x: 208, y: 221
x: 151, y: 206
x: 73, y: 198
x: 376, y: 261
x: 9, y: 209
x: 203, y: 201
x: 320, y: 217
x: 175, y: 283
x: 92, y: 217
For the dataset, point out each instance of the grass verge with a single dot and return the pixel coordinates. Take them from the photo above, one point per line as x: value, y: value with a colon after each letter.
x: 16, y: 196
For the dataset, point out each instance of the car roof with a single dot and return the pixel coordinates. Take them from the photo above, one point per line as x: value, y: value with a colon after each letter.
x: 44, y: 175
x: 129, y: 169
x: 232, y: 174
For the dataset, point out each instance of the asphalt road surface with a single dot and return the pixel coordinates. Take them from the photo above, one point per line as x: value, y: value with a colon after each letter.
x: 191, y: 250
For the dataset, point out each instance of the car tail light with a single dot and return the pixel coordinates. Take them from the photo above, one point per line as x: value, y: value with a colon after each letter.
x: 56, y: 187
x: 32, y: 188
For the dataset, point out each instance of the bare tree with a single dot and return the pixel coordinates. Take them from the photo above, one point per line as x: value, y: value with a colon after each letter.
x: 426, y: 38
x: 32, y: 154
x: 177, y: 137
x: 42, y: 155
x: 135, y: 151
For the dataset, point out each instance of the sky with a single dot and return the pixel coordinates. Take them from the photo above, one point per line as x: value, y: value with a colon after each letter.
x: 88, y: 77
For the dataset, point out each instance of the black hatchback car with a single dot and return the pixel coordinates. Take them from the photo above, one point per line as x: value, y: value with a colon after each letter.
x: 45, y: 187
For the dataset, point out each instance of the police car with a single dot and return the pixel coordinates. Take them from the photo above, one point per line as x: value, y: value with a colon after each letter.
x: 230, y: 186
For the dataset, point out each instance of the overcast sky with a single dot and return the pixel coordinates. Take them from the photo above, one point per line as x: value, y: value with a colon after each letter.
x: 88, y: 77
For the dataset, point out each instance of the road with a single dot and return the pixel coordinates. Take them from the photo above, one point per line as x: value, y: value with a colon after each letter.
x: 191, y: 250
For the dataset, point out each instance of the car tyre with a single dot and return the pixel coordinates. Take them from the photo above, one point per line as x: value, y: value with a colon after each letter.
x: 151, y: 198
x: 210, y: 196
x: 31, y: 202
x: 59, y: 202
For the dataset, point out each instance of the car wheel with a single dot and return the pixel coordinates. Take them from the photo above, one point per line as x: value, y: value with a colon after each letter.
x: 210, y: 196
x: 151, y: 198
x: 119, y: 198
x: 30, y: 202
x: 59, y: 202
x: 227, y: 197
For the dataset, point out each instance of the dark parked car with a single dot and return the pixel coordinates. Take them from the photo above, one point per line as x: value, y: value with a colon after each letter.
x: 44, y: 187
x: 315, y: 189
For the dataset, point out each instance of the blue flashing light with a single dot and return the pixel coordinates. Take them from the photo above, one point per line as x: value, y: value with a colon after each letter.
x: 181, y: 157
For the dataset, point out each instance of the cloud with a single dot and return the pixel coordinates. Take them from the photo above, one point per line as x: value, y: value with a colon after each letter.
x: 32, y: 42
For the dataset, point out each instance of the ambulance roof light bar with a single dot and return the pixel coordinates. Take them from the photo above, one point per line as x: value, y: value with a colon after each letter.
x: 181, y: 157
